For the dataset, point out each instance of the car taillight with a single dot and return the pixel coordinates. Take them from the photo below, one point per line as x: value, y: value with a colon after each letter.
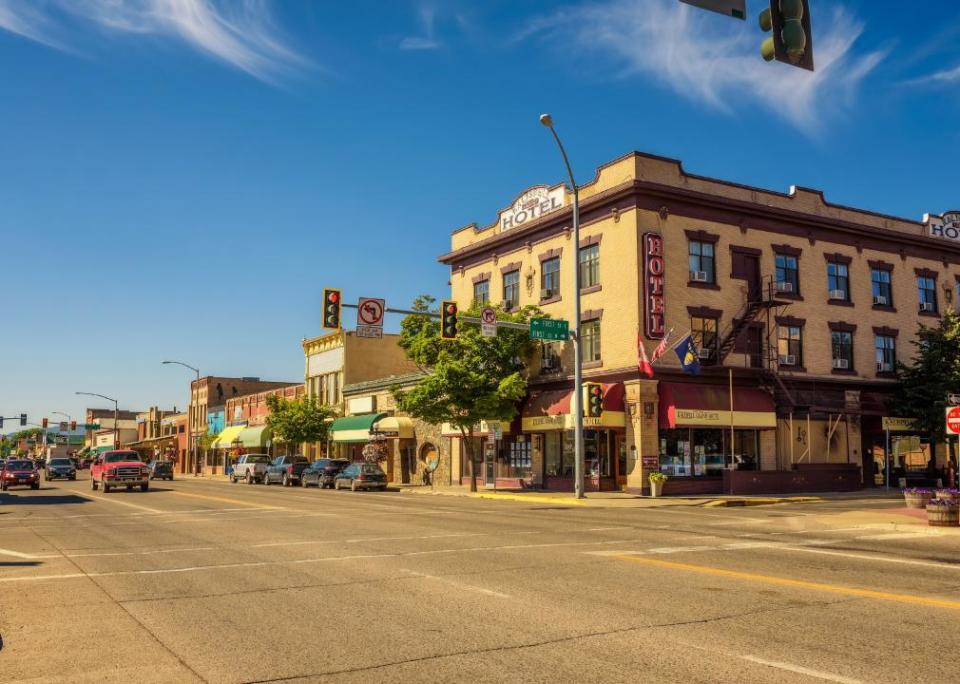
x: 290, y: 469
x: 361, y: 477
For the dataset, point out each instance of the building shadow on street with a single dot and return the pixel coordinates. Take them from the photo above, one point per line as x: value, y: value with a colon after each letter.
x: 19, y: 564
x: 27, y: 499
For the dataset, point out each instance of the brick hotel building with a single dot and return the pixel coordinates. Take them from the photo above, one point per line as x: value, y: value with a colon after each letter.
x: 800, y: 305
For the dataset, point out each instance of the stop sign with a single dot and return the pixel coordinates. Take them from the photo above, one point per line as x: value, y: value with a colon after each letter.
x: 953, y: 420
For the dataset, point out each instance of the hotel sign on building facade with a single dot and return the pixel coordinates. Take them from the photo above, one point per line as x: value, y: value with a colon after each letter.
x: 946, y: 226
x: 653, y: 269
x: 532, y: 204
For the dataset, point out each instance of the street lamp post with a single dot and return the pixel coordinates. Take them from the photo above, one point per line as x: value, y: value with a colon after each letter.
x: 116, y: 416
x: 193, y: 439
x: 61, y: 413
x: 547, y: 121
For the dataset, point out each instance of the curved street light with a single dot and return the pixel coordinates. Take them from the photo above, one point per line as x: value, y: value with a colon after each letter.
x: 194, y: 441
x: 547, y: 121
x: 116, y: 415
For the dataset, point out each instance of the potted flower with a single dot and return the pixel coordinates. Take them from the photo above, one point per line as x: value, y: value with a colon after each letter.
x: 917, y: 497
x: 656, y: 483
x: 948, y: 494
x: 943, y: 513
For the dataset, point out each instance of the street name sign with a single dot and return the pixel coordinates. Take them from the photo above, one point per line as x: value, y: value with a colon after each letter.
x: 953, y: 420
x: 731, y: 8
x: 370, y: 317
x: 897, y: 424
x: 488, y: 322
x: 549, y: 329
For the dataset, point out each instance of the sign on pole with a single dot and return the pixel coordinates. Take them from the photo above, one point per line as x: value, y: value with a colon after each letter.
x: 953, y: 420
x: 549, y: 329
x: 488, y: 322
x: 953, y: 399
x: 370, y: 317
x: 732, y: 8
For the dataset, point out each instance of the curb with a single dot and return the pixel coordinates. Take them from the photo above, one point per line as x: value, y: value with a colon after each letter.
x: 530, y: 499
x: 758, y: 501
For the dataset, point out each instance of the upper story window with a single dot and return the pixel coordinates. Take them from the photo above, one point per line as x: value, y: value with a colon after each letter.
x: 927, y: 292
x: 704, y: 332
x: 886, y: 350
x: 790, y: 345
x: 882, y: 287
x: 590, y: 345
x: 841, y: 346
x: 702, y: 262
x: 590, y: 266
x: 838, y: 281
x: 550, y: 278
x: 550, y: 357
x: 481, y: 292
x: 511, y: 290
x: 788, y: 274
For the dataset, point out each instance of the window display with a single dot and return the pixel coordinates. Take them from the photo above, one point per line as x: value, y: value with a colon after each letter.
x: 704, y: 452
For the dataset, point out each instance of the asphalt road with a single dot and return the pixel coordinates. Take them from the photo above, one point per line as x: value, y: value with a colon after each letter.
x: 207, y: 581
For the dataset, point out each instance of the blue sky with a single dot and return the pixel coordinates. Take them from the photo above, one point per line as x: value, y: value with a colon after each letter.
x: 180, y: 178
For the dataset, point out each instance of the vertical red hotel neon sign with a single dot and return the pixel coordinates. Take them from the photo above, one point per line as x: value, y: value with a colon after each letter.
x: 655, y: 318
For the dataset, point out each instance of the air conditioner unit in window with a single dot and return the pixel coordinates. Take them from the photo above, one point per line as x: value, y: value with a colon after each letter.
x: 784, y: 287
x: 884, y: 367
x: 841, y: 364
x: 838, y: 294
x: 551, y: 363
x: 788, y: 359
x: 880, y: 301
x: 547, y: 293
x: 507, y: 305
x: 705, y: 353
x: 926, y: 306
x: 698, y: 276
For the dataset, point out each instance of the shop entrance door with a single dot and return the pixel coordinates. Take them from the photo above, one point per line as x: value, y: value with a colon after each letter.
x: 620, y: 449
x: 489, y: 464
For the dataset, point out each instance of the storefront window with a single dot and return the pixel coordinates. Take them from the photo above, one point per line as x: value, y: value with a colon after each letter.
x: 552, y: 454
x: 515, y: 457
x: 596, y: 453
x: 705, y: 452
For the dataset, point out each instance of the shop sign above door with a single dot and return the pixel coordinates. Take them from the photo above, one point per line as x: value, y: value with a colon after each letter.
x: 536, y: 202
x: 655, y: 318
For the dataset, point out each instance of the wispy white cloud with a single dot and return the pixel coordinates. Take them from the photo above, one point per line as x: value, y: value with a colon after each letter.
x: 241, y: 33
x: 939, y: 77
x: 716, y: 60
x: 426, y: 40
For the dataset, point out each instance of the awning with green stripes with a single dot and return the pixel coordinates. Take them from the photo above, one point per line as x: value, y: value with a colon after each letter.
x: 354, y: 429
x: 255, y: 436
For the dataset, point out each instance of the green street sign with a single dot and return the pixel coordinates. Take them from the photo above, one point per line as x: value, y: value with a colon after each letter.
x: 549, y: 329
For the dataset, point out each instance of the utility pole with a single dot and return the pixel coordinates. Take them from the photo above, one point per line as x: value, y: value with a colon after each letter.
x: 116, y: 416
x: 194, y: 441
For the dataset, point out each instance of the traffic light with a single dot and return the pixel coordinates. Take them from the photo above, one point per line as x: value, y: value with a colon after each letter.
x: 594, y: 403
x: 792, y: 41
x: 449, y: 320
x: 23, y: 419
x: 73, y: 426
x: 45, y: 422
x: 1, y: 424
x: 331, y: 308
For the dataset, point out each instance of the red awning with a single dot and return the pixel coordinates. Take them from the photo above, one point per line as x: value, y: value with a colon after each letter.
x: 557, y: 402
x: 710, y: 398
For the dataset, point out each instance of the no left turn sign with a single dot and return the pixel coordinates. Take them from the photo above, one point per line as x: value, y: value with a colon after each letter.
x: 370, y: 311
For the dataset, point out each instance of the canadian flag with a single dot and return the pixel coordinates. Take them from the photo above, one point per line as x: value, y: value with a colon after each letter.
x: 643, y: 363
x: 662, y: 348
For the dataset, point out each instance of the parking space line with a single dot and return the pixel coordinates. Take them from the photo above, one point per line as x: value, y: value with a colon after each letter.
x: 817, y: 674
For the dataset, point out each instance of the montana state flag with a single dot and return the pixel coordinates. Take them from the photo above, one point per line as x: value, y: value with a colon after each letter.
x: 687, y: 353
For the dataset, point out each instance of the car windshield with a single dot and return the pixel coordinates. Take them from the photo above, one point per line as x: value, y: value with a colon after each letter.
x: 119, y: 456
x: 19, y: 465
x: 61, y: 462
x: 258, y: 459
x: 371, y: 470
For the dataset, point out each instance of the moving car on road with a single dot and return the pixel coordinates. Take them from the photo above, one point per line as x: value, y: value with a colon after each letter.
x: 321, y: 472
x: 286, y: 470
x: 19, y: 473
x: 250, y: 468
x: 161, y: 470
x: 60, y: 468
x: 361, y: 476
x: 119, y: 469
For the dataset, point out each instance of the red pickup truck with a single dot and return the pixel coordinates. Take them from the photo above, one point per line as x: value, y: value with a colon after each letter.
x: 119, y: 469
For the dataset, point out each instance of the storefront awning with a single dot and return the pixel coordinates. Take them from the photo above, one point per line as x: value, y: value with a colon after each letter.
x: 400, y: 427
x: 226, y: 439
x: 691, y: 405
x: 255, y: 436
x: 354, y: 429
x: 551, y: 410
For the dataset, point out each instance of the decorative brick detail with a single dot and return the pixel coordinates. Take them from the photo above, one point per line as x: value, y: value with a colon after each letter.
x: 840, y: 326
x: 788, y: 250
x: 790, y: 320
x: 880, y: 265
x: 550, y: 254
x: 702, y: 236
x: 837, y: 257
x: 480, y: 277
x: 749, y: 251
x: 512, y: 266
x: 704, y: 312
x: 591, y: 315
x: 925, y: 273
x: 885, y: 331
x: 592, y: 240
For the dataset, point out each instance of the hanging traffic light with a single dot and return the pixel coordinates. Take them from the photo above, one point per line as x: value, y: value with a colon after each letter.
x: 792, y: 41
x: 449, y: 321
x: 331, y: 308
x: 23, y: 419
x: 73, y: 426
x: 594, y: 403
x: 45, y: 422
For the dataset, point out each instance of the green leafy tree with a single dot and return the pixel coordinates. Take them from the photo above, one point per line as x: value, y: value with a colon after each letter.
x: 296, y: 421
x: 469, y: 379
x: 934, y: 372
x: 207, y: 440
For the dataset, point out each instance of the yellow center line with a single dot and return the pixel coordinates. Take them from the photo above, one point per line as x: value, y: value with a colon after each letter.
x: 224, y: 499
x: 799, y: 584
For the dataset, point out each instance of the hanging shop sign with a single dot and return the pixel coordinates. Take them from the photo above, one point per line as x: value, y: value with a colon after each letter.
x: 653, y: 269
x: 532, y: 204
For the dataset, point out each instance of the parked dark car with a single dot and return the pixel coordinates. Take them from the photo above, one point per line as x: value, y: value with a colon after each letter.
x: 60, y: 468
x: 161, y: 470
x: 321, y: 472
x: 361, y: 476
x: 19, y: 472
x: 286, y: 470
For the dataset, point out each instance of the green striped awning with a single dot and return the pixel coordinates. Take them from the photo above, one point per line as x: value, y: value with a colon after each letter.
x: 255, y: 436
x: 354, y: 429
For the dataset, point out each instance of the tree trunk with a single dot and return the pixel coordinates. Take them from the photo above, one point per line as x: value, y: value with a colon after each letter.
x: 467, y: 437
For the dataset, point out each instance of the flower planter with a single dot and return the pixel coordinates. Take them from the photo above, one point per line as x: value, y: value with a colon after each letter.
x: 943, y: 514
x: 917, y: 498
x: 951, y: 495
